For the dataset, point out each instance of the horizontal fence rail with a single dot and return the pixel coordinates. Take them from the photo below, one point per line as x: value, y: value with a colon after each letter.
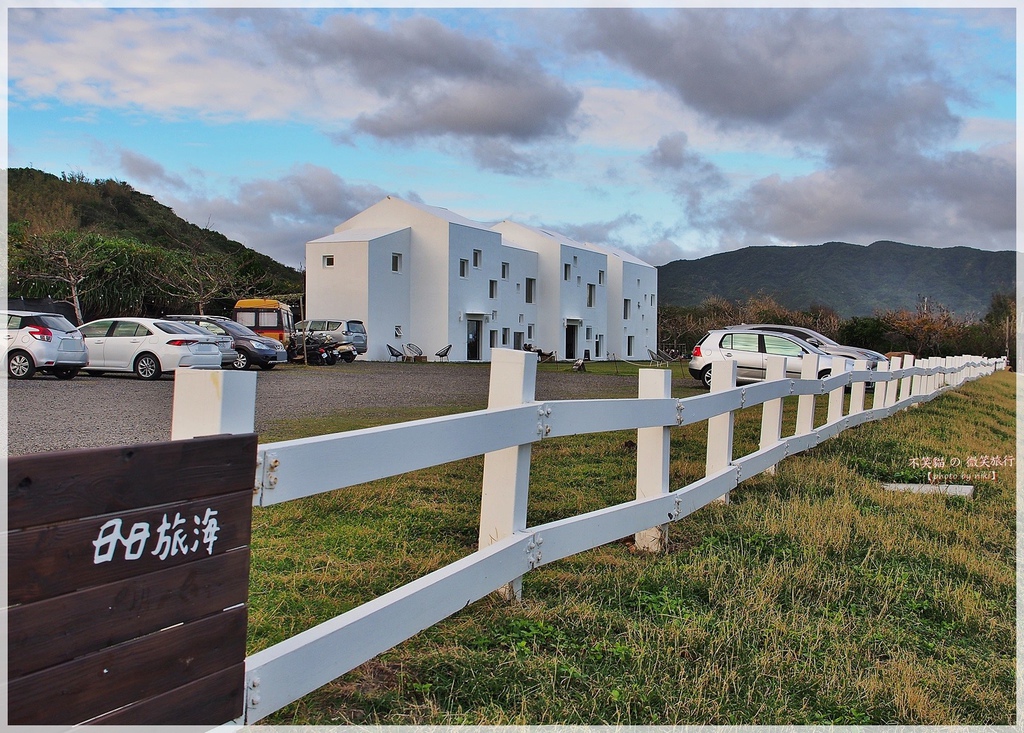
x: 503, y: 434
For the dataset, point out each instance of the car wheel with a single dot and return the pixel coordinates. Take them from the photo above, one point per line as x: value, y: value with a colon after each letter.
x: 20, y: 365
x: 267, y: 367
x: 824, y: 374
x: 705, y: 377
x: 65, y: 372
x: 147, y: 367
x: 242, y: 360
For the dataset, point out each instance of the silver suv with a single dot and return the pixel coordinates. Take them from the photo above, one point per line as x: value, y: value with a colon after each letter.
x: 750, y: 349
x: 820, y: 340
x: 47, y: 342
x: 341, y: 330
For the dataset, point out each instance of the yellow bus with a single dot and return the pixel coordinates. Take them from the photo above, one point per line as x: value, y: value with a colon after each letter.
x: 270, y: 318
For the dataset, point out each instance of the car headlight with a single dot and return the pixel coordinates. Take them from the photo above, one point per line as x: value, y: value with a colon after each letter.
x: 260, y: 346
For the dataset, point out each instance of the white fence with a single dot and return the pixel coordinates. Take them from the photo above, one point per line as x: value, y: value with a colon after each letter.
x: 504, y: 434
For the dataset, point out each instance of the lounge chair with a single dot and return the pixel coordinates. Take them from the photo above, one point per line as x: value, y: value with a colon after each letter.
x: 442, y: 354
x: 396, y: 355
x: 657, y: 359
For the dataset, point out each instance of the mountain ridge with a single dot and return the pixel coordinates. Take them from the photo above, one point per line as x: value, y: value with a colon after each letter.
x: 889, y: 275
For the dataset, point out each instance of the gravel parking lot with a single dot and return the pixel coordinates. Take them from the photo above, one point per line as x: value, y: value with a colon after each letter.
x: 46, y: 414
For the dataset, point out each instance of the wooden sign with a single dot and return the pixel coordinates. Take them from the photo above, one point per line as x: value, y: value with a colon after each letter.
x: 128, y: 573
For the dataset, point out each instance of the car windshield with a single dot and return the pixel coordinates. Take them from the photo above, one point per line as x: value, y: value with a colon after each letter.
x: 237, y: 329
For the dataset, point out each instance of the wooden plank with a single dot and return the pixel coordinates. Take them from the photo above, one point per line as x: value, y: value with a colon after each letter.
x: 210, y: 701
x: 55, y: 487
x: 57, y: 630
x: 99, y: 683
x: 48, y: 561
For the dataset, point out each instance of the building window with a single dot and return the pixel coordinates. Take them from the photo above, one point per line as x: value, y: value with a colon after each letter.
x: 599, y: 346
x: 517, y: 341
x: 522, y: 318
x: 493, y: 289
x: 398, y: 332
x: 590, y: 333
x: 531, y: 289
x: 396, y: 262
x: 504, y: 270
x: 494, y: 315
x: 494, y: 339
x: 328, y: 260
x: 625, y: 309
x: 529, y: 331
x: 629, y: 346
x: 463, y: 268
x: 652, y: 299
x: 505, y: 335
x: 600, y: 277
x: 575, y: 261
x: 591, y: 295
x: 567, y: 272
x: 478, y: 257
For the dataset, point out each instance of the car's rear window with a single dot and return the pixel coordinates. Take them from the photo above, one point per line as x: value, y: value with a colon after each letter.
x: 169, y: 327
x: 356, y: 327
x: 55, y: 321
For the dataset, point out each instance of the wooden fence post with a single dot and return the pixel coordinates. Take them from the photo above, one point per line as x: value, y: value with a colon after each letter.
x: 891, y: 391
x: 506, y: 480
x: 652, y: 456
x: 906, y: 384
x: 881, y: 388
x: 805, y: 402
x: 771, y: 411
x: 835, y: 397
x: 720, y: 427
x: 212, y: 402
x: 857, y: 390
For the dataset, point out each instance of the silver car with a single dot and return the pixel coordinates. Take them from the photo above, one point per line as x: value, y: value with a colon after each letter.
x: 751, y: 349
x: 341, y: 330
x: 46, y: 342
x: 823, y: 342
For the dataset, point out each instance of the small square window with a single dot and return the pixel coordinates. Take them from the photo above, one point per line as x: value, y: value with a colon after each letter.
x: 478, y: 257
x: 567, y: 272
x: 504, y: 270
x: 493, y: 289
x: 463, y: 268
x: 396, y: 262
x: 328, y: 260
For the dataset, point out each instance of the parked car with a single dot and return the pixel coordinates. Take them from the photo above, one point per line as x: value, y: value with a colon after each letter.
x: 46, y: 342
x: 147, y: 346
x: 822, y: 341
x: 249, y: 347
x: 224, y: 343
x: 343, y: 331
x: 750, y: 349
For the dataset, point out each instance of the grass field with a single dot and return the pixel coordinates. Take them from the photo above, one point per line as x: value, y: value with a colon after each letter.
x: 814, y: 597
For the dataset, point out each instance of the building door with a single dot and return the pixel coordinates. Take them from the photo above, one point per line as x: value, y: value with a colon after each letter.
x: 473, y: 329
x: 571, y: 334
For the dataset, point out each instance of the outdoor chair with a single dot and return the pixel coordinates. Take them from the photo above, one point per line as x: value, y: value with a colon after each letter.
x: 442, y: 354
x: 543, y: 356
x: 412, y: 351
x: 396, y: 355
x: 657, y: 359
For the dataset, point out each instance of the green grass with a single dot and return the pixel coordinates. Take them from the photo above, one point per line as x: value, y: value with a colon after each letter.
x: 814, y: 597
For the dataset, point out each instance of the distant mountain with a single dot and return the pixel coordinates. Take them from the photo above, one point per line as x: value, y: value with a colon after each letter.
x: 852, y: 279
x: 44, y: 202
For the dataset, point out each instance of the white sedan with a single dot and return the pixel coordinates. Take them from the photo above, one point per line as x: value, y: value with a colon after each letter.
x: 147, y: 346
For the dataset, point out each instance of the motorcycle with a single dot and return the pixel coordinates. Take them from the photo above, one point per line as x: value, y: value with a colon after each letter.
x: 318, y: 349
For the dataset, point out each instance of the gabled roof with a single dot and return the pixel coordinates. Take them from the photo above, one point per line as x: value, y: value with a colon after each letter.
x: 554, y: 237
x: 620, y: 253
x: 441, y: 213
x: 367, y: 234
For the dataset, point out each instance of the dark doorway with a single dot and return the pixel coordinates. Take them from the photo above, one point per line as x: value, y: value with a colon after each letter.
x: 473, y: 340
x: 571, y: 333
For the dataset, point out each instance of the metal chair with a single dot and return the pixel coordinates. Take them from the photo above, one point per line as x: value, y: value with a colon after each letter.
x: 396, y: 355
x: 412, y: 351
x: 442, y: 354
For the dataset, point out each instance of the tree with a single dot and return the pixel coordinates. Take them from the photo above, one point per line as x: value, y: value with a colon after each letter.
x: 63, y: 264
x: 930, y: 330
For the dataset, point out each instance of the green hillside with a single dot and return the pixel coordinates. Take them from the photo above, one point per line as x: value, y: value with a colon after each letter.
x: 40, y: 202
x: 851, y: 279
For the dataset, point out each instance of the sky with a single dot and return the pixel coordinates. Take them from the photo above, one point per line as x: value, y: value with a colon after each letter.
x: 673, y: 132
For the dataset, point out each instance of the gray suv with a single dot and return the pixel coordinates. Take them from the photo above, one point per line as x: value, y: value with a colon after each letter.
x: 250, y: 347
x: 47, y: 342
x: 751, y: 349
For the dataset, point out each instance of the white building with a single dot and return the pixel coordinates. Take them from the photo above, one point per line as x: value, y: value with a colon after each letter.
x: 424, y: 275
